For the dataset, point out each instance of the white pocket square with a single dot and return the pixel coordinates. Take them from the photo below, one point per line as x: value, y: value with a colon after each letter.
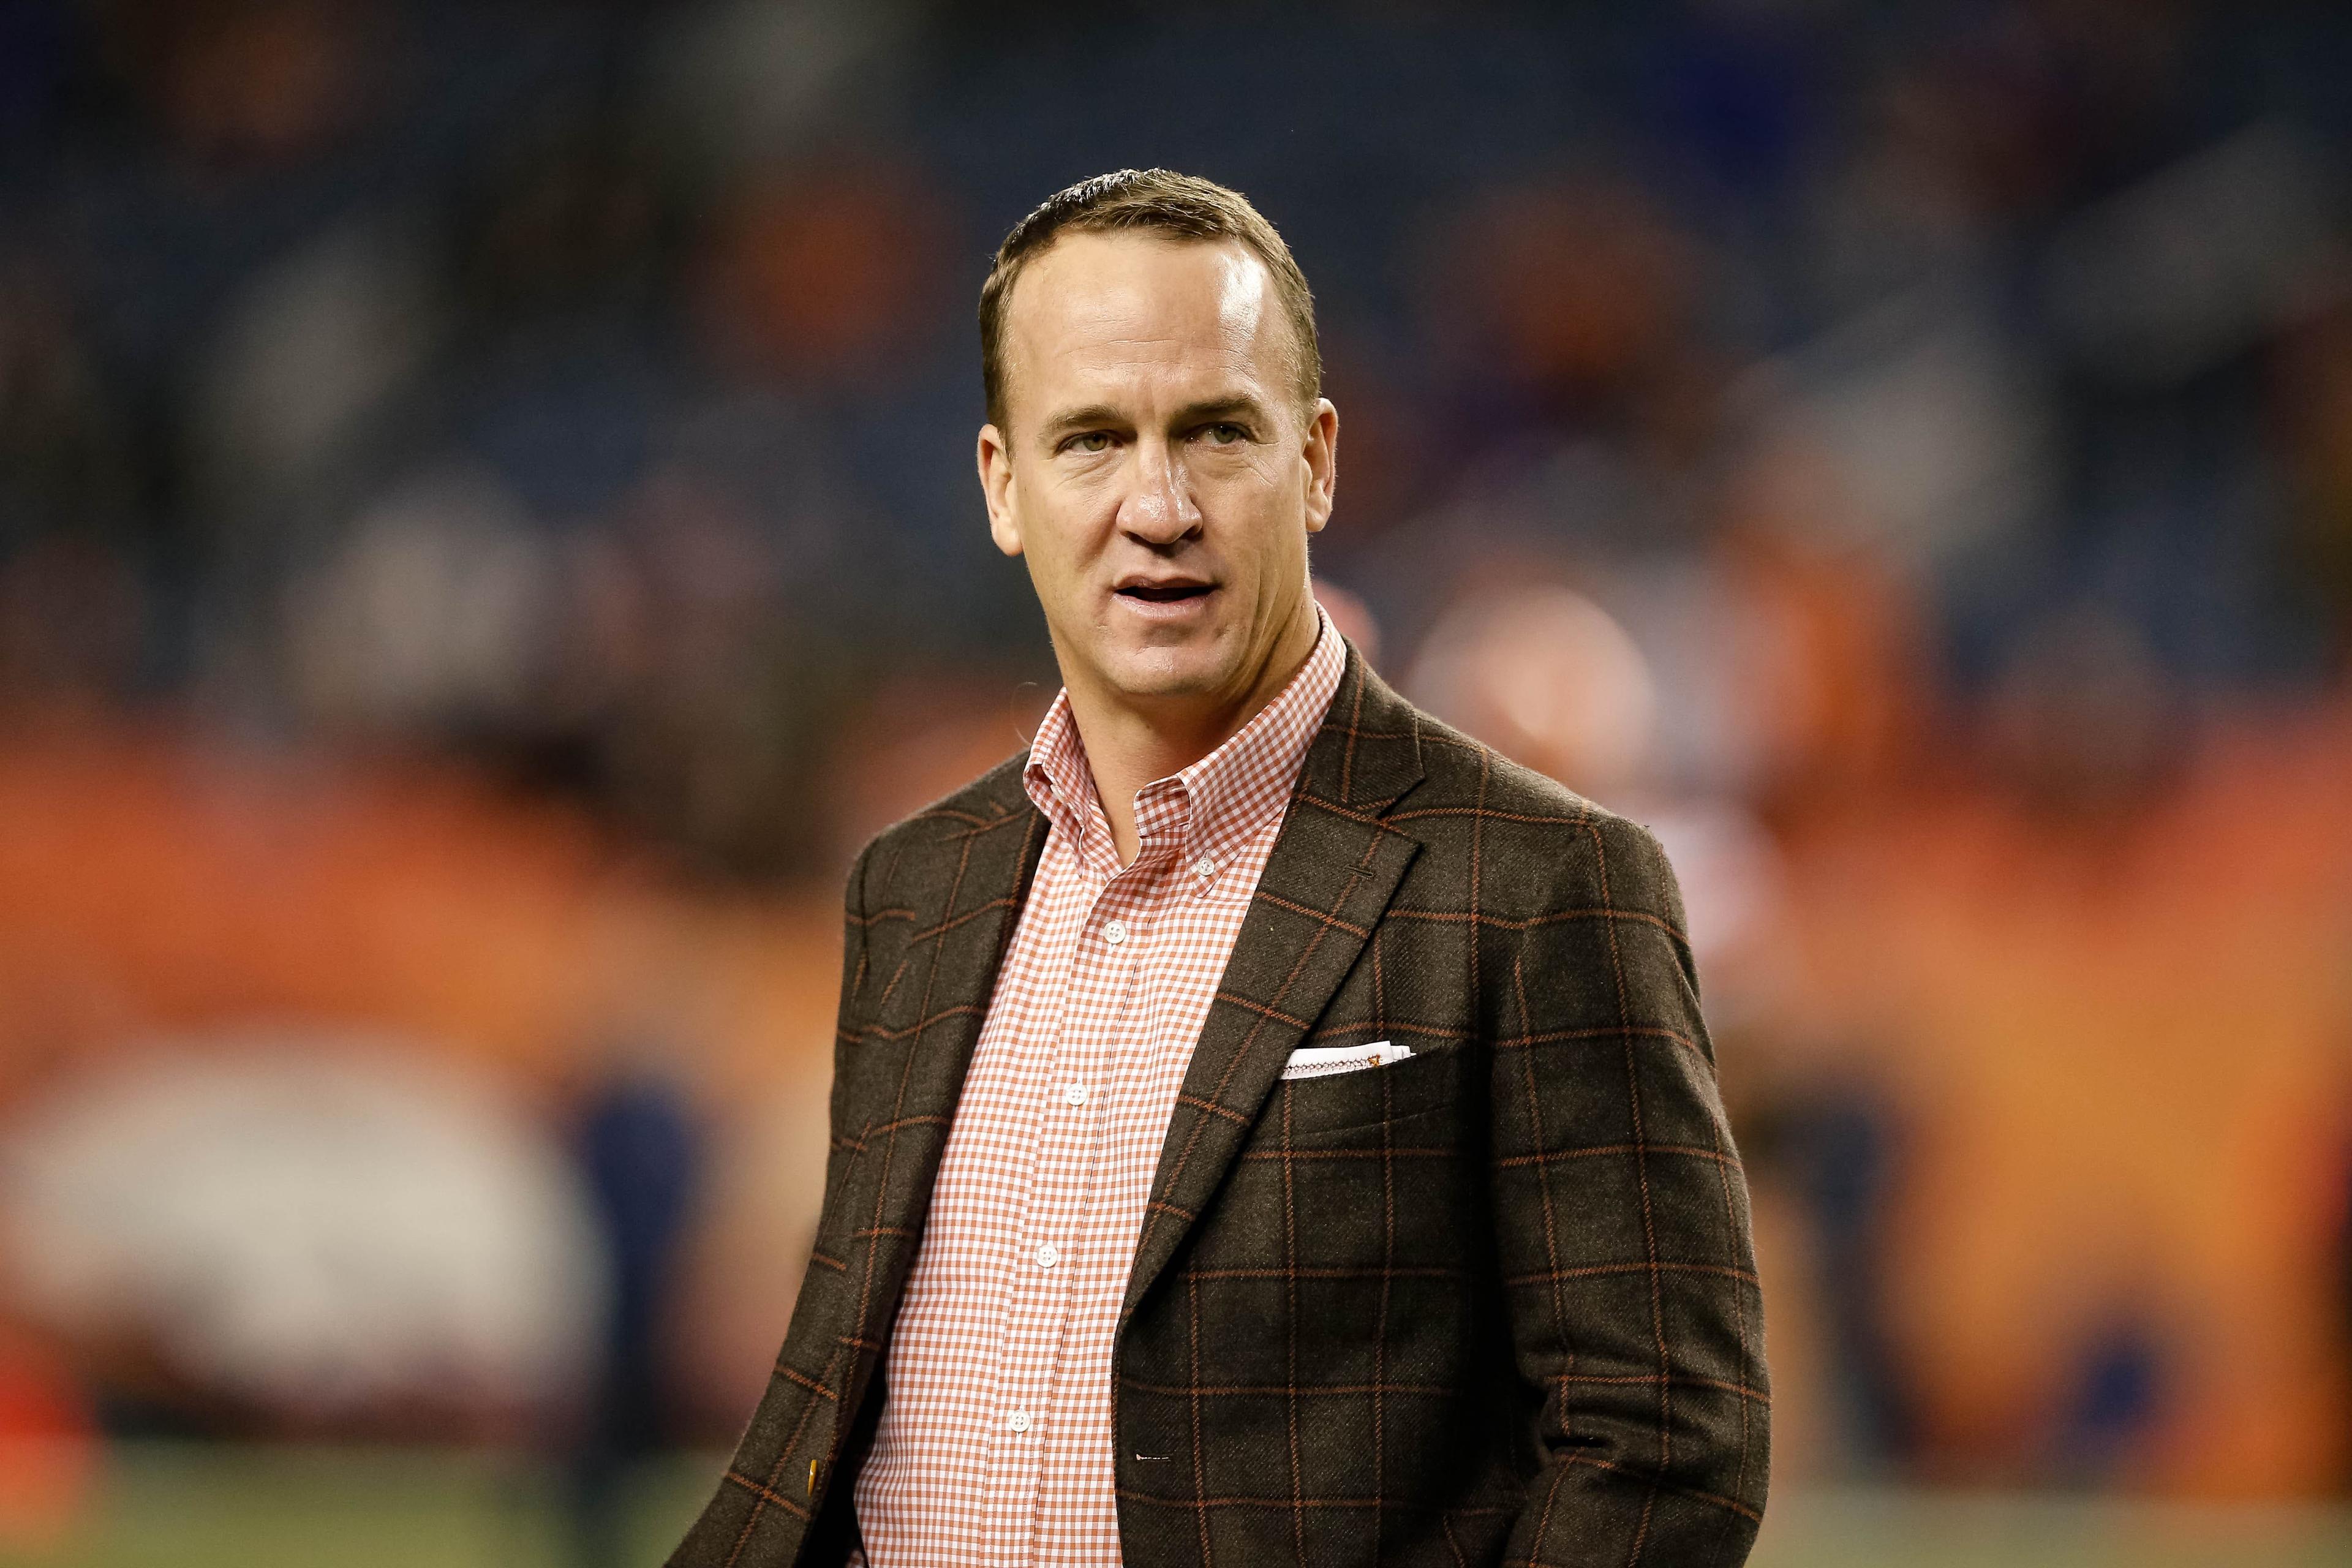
x: 1322, y: 1061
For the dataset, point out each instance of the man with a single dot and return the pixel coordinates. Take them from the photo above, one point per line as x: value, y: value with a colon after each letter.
x: 1267, y: 1126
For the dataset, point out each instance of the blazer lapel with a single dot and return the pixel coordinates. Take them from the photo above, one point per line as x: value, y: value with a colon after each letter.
x: 965, y: 901
x: 1334, y: 868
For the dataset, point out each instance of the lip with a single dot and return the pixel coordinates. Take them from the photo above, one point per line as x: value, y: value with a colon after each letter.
x: 1180, y: 609
x: 1160, y: 579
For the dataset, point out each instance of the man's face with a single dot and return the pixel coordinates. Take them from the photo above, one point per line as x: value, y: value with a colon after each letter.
x: 1158, y: 476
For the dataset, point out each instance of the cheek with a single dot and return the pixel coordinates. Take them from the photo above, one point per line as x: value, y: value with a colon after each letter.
x: 1057, y: 551
x: 1267, y: 518
x: 1251, y: 491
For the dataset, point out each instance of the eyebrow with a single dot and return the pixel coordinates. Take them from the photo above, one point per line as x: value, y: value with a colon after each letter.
x: 1099, y: 415
x: 1094, y: 417
x: 1216, y: 408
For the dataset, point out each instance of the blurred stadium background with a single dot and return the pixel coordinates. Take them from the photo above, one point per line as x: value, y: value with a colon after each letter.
x: 486, y: 528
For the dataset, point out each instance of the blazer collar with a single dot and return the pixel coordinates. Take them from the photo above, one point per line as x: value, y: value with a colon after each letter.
x: 1367, y: 752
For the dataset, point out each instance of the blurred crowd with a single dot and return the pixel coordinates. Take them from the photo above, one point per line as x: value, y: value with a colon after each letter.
x: 486, y: 528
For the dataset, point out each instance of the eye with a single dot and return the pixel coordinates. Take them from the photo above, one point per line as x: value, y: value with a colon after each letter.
x: 1090, y: 441
x: 1225, y: 435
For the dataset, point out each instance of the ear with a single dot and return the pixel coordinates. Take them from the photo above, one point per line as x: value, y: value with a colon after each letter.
x: 1322, y: 454
x: 995, y: 459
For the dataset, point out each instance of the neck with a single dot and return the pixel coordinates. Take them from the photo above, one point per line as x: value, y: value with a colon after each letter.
x: 1131, y: 743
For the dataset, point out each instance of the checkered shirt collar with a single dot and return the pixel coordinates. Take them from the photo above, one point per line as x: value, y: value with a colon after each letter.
x: 1208, y: 808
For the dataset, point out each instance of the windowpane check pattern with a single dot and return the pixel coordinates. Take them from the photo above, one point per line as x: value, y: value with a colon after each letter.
x: 995, y: 1442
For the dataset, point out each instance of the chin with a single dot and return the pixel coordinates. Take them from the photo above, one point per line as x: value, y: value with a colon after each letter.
x: 1164, y: 672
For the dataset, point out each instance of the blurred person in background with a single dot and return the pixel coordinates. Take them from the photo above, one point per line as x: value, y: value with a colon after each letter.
x: 1265, y: 1120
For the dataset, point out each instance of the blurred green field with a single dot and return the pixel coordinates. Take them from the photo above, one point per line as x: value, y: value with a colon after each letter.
x: 169, y: 1505
x: 202, y: 1506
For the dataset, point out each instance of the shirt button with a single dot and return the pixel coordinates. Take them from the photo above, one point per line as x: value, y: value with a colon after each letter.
x: 1018, y: 1421
x: 1048, y: 1256
x: 1076, y: 1094
x: 1115, y: 932
x: 1206, y: 865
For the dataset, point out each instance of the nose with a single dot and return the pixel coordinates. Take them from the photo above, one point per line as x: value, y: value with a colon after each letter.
x: 1158, y: 508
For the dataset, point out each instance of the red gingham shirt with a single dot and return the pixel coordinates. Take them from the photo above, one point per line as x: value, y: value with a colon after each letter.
x: 996, y: 1443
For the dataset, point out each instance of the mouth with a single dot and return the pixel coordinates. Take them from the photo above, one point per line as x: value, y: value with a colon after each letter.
x: 1164, y: 590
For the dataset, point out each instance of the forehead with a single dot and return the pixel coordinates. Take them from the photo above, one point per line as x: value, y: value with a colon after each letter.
x: 1099, y: 314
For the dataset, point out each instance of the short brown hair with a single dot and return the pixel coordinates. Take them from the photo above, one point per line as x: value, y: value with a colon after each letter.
x: 1183, y: 207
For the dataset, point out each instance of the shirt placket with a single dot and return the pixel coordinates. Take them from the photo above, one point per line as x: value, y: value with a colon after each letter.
x: 1044, y: 1252
x: 1123, y: 1059
x: 1142, y: 1054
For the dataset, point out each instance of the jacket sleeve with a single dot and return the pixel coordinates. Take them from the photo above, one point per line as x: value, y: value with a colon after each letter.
x: 757, y: 1516
x: 1622, y: 1226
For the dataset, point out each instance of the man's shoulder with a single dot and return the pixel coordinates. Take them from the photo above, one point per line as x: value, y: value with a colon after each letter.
x: 1523, y: 835
x: 995, y: 799
x: 1466, y: 779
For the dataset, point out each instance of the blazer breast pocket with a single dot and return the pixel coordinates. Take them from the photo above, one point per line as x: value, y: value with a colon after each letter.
x: 1310, y: 1110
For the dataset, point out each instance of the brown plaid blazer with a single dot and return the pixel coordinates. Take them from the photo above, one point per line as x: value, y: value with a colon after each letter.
x: 1493, y: 1304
